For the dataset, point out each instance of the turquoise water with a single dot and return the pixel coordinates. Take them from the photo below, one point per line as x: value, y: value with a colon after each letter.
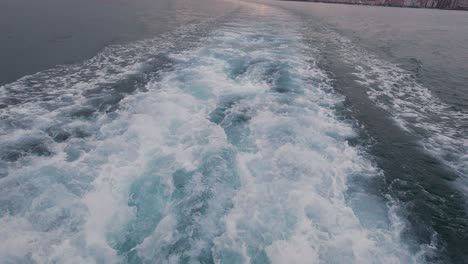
x: 224, y: 141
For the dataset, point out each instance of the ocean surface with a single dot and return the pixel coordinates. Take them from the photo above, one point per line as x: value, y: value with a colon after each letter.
x: 225, y: 131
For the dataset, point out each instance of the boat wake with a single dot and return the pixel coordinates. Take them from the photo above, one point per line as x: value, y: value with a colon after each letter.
x: 156, y: 152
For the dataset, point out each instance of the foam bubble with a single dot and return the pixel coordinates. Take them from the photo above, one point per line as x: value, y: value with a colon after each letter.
x: 413, y: 106
x: 232, y: 154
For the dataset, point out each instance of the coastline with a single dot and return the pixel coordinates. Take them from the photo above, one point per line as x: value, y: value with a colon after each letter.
x: 432, y: 4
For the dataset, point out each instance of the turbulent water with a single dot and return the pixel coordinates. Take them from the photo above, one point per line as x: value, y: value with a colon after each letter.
x: 257, y: 135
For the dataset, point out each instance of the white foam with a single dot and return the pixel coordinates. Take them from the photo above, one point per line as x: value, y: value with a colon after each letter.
x: 411, y: 104
x: 276, y: 195
x: 291, y: 203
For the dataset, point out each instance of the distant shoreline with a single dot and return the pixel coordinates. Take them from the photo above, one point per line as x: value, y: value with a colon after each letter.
x: 433, y: 4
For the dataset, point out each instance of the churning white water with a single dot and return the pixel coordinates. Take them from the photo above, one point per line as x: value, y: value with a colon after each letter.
x: 231, y: 153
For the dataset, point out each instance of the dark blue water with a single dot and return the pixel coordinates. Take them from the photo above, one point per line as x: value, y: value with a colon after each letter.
x: 37, y: 35
x: 232, y: 132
